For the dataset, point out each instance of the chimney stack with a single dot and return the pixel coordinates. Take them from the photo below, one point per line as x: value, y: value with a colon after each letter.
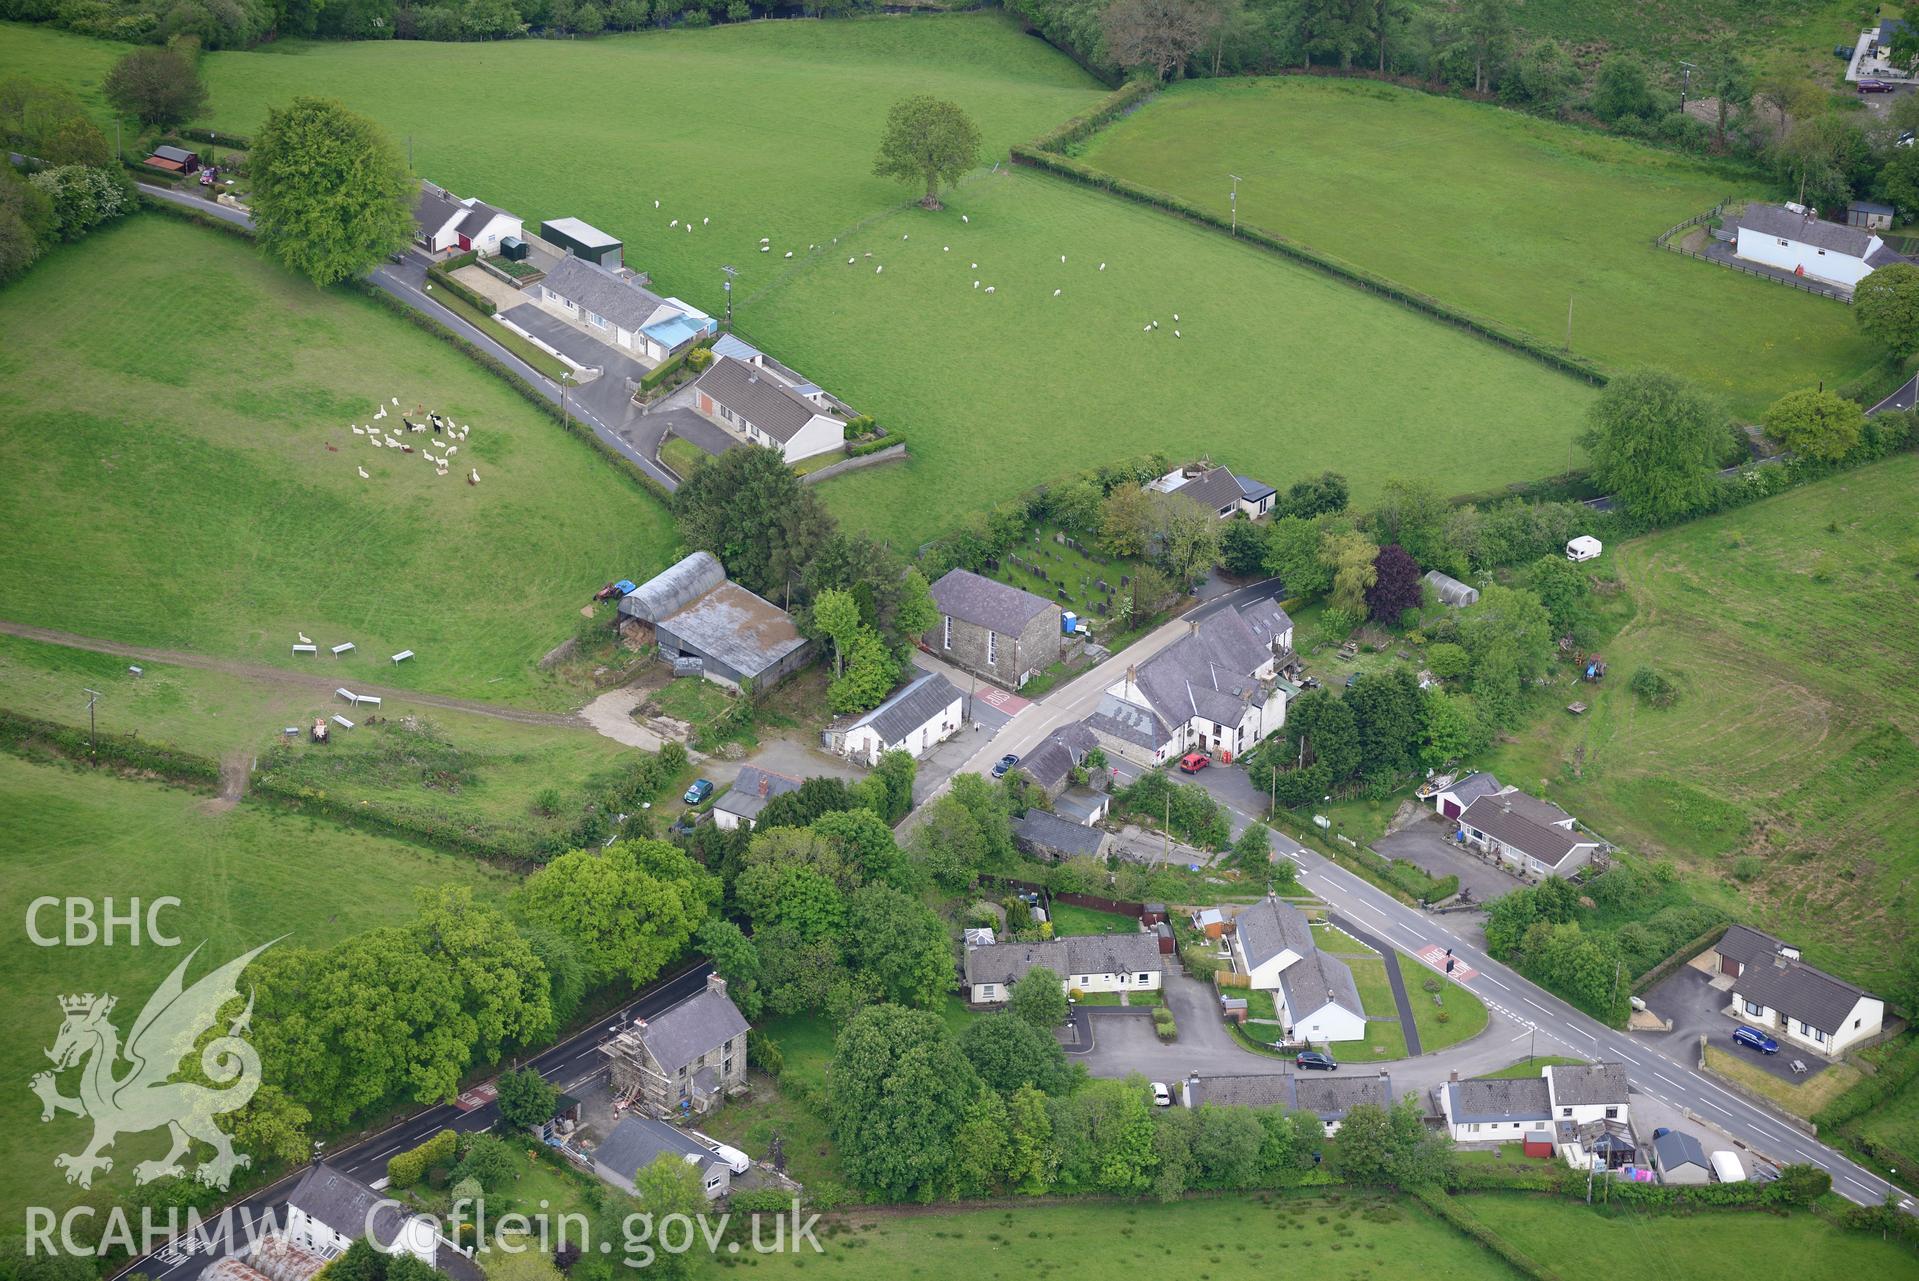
x: 1453, y: 1076
x: 714, y: 983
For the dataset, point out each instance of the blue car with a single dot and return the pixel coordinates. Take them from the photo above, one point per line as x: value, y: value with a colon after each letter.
x: 701, y: 789
x: 1753, y: 1039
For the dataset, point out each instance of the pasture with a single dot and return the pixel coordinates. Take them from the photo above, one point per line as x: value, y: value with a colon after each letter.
x: 182, y: 475
x: 1500, y: 214
x: 242, y: 876
x: 1787, y: 771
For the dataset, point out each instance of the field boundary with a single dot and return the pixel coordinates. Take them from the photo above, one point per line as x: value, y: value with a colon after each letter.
x: 35, y: 739
x: 1047, y: 153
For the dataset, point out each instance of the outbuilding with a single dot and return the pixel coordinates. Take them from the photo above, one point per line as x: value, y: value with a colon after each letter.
x: 582, y: 240
x: 174, y: 159
x: 694, y: 612
x: 1450, y: 590
x: 923, y: 712
x: 1869, y: 214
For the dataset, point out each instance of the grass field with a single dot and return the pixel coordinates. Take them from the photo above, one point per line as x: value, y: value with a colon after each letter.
x: 1498, y: 213
x: 1069, y: 920
x: 1787, y: 772
x: 243, y: 876
x: 171, y: 400
x: 1794, y: 35
x: 1527, y: 1069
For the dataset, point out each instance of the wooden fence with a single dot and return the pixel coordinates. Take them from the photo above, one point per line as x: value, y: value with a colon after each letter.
x: 1664, y: 240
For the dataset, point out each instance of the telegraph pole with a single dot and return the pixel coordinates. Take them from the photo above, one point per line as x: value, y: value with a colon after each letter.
x: 93, y: 696
x: 1235, y: 200
x: 728, y: 287
x: 1685, y: 82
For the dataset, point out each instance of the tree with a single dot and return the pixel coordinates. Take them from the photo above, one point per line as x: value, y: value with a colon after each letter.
x: 869, y: 677
x: 1320, y: 728
x: 1030, y: 1159
x: 927, y: 140
x: 1562, y: 588
x: 837, y: 616
x: 1511, y: 621
x: 1038, y: 999
x: 1126, y: 521
x: 1226, y: 1145
x: 1387, y: 714
x: 750, y: 510
x: 82, y: 197
x: 632, y: 906
x: 798, y: 896
x: 1189, y: 537
x: 1487, y: 25
x: 1254, y: 848
x: 981, y: 1151
x: 1817, y: 424
x: 1620, y: 90
x: 26, y: 223
x: 1396, y: 585
x: 902, y: 944
x: 668, y: 1186
x: 1323, y: 495
x: 1654, y: 441
x: 1011, y: 1054
x: 1454, y: 730
x: 1156, y: 35
x: 1242, y: 547
x: 1292, y: 556
x: 51, y: 124
x: 497, y: 978
x: 948, y: 845
x: 1820, y: 157
x: 1729, y: 80
x: 526, y: 1100
x: 331, y: 194
x: 489, y: 1161
x: 1349, y: 554
x: 735, y: 960
x: 916, y: 613
x: 899, y: 1090
x: 1414, y: 514
x: 1886, y: 307
x: 159, y: 86
x: 1900, y: 178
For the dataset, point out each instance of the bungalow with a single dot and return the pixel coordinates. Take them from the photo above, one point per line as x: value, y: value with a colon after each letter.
x: 695, y: 614
x: 1452, y: 799
x: 1773, y: 988
x: 329, y: 1209
x: 1800, y: 243
x: 994, y: 630
x: 1215, y: 690
x: 1217, y: 491
x: 741, y: 803
x: 1329, y: 1098
x: 1495, y: 1111
x: 1532, y: 837
x: 1319, y: 1000
x: 443, y: 222
x: 1045, y: 835
x: 1679, y: 1158
x: 174, y: 159
x: 1269, y: 937
x: 684, y: 1059
x: 1085, y: 963
x: 638, y: 1141
x: 924, y: 711
x: 753, y: 403
x: 613, y: 307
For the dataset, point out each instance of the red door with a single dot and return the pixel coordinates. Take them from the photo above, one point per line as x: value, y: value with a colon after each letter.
x: 1451, y: 808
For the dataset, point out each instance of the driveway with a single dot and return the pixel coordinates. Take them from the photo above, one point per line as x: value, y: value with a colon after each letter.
x: 1697, y: 1009
x: 1123, y: 1043
x: 1425, y: 845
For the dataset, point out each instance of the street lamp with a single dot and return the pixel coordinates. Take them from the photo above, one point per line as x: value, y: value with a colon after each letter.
x: 728, y: 287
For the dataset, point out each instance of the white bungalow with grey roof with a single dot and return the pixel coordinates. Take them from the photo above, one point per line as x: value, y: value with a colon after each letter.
x: 740, y: 804
x: 444, y: 222
x: 1088, y: 963
x: 1330, y: 1098
x: 328, y: 1210
x: 1586, y: 1092
x: 1268, y: 937
x: 1319, y: 1000
x: 1217, y: 490
x: 1773, y: 988
x: 684, y: 1059
x: 613, y: 307
x: 1531, y: 837
x: 751, y: 402
x: 1805, y: 246
x: 638, y: 1141
x: 695, y: 613
x: 1495, y: 1111
x: 993, y: 629
x: 923, y: 712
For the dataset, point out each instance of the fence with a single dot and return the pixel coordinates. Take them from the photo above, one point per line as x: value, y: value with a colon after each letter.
x: 1664, y: 241
x: 891, y: 454
x: 1118, y: 907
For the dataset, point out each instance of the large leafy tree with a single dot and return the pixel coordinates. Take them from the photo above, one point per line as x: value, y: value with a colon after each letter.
x: 837, y: 617
x: 1387, y: 714
x: 83, y: 197
x: 1242, y: 547
x: 869, y: 676
x: 1815, y: 423
x: 498, y: 980
x: 1189, y: 540
x: 750, y: 510
x: 1349, y: 555
x: 1038, y: 999
x: 1009, y: 1054
x: 736, y: 960
x: 158, y: 85
x: 26, y: 222
x: 928, y: 140
x: 1157, y: 35
x: 1396, y: 585
x: 331, y: 193
x: 900, y: 1089
x: 632, y: 905
x: 1885, y: 305
x: 669, y: 1186
x: 1320, y: 728
x: 526, y: 1099
x: 1654, y: 441
x: 902, y: 944
x: 1292, y: 556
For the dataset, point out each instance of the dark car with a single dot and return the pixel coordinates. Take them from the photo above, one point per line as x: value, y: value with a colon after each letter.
x: 701, y: 789
x: 1314, y: 1061
x: 1874, y: 86
x: 1753, y: 1039
x: 1005, y: 763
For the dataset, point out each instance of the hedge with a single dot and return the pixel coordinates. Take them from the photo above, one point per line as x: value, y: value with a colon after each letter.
x: 32, y: 737
x: 892, y: 438
x: 1044, y: 158
x: 1691, y: 948
x: 439, y: 275
x: 404, y: 1169
x: 667, y: 368
x: 234, y: 140
x: 1087, y: 123
x: 1466, y: 1221
x: 153, y: 204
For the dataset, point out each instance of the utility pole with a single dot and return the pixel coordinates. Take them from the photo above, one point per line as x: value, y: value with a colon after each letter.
x: 1685, y: 82
x: 1569, y: 322
x: 409, y: 151
x: 1235, y: 200
x: 728, y: 287
x: 1169, y: 824
x: 93, y: 696
x: 566, y: 376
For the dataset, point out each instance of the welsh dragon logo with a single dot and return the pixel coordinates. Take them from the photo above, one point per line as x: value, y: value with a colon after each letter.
x: 144, y: 1097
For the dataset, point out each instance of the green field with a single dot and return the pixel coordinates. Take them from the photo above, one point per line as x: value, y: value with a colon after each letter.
x: 1500, y: 214
x: 1787, y: 35
x: 1787, y: 772
x: 174, y: 406
x: 243, y: 876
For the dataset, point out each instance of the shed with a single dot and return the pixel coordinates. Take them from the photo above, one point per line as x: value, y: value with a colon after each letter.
x: 1163, y: 931
x: 177, y: 159
x: 1539, y: 1143
x: 1869, y: 214
x: 1680, y: 1157
x: 582, y: 240
x: 1450, y: 590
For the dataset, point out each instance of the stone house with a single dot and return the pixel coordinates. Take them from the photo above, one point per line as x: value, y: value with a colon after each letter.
x: 993, y: 630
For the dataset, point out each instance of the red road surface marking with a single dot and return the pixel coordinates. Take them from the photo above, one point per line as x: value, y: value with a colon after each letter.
x: 1435, y: 956
x: 1011, y: 704
x: 477, y: 1097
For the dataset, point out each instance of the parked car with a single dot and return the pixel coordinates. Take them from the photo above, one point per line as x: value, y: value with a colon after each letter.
x: 1005, y: 763
x: 1753, y: 1039
x: 1194, y: 762
x: 1314, y: 1061
x: 701, y: 789
x: 1162, y: 1097
x: 1874, y: 86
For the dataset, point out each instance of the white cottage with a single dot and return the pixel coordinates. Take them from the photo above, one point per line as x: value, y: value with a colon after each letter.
x: 921, y: 713
x: 328, y: 1210
x: 1800, y: 243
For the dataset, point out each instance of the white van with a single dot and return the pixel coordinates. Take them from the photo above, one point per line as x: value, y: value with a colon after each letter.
x: 1727, y: 1169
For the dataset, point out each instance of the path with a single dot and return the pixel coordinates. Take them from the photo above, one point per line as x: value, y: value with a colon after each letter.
x: 612, y: 715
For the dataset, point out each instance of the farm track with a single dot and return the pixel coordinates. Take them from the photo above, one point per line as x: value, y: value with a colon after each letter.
x: 281, y: 676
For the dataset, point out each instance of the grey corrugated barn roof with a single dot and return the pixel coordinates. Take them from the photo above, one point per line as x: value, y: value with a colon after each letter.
x: 973, y: 598
x: 1792, y: 987
x: 759, y: 398
x: 698, y: 1025
x: 673, y: 589
x: 748, y: 633
x: 921, y: 700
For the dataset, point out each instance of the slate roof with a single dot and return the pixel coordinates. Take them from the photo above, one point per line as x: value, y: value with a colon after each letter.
x: 180, y: 154
x: 1253, y: 490
x: 604, y: 292
x: 1052, y: 762
x: 1040, y: 831
x: 922, y: 700
x: 637, y: 1141
x: 759, y: 398
x: 435, y: 208
x: 1332, y: 1095
x: 1272, y: 926
x: 1479, y: 1102
x: 342, y: 1202
x: 1081, y: 805
x: 1474, y: 786
x: 1317, y: 980
x: 1775, y: 220
x: 698, y: 1025
x: 1005, y: 963
x: 1240, y: 1090
x: 1129, y: 722
x: 1525, y: 823
x: 746, y: 632
x: 999, y: 607
x: 752, y: 789
x: 1208, y: 673
x: 1211, y: 489
x: 478, y: 215
x: 1587, y: 1084
x: 1676, y: 1148
x: 1794, y: 988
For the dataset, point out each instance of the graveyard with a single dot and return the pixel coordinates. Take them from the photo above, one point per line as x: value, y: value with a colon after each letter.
x: 1078, y: 578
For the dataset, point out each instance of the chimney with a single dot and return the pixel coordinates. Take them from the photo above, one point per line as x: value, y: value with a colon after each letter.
x: 1788, y: 951
x: 1132, y: 675
x: 1453, y: 1076
x: 714, y: 983
x: 765, y: 783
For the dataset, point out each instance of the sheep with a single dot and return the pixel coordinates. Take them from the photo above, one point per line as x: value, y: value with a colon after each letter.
x: 1175, y: 315
x: 1176, y: 333
x: 704, y: 221
x: 363, y: 476
x: 452, y: 450
x: 473, y: 477
x: 1062, y: 257
x: 976, y: 284
x: 396, y: 402
x: 877, y: 270
x: 789, y: 253
x: 851, y: 261
x: 990, y: 288
x: 1056, y: 293
x: 964, y: 218
x: 304, y: 638
x: 357, y: 431
x: 674, y: 223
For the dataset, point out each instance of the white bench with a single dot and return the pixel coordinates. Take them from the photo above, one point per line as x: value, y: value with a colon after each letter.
x: 347, y: 694
x: 402, y: 656
x: 306, y: 649
x: 367, y: 698
x: 343, y: 722
x: 342, y: 648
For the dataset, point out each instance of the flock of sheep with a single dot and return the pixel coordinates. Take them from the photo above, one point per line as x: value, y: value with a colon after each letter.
x: 383, y: 438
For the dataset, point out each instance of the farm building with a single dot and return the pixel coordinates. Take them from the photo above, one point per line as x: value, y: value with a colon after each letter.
x: 1870, y: 215
x: 924, y: 711
x: 751, y: 790
x: 1532, y: 837
x: 1773, y: 988
x: 1088, y: 963
x: 638, y: 1141
x: 583, y: 240
x: 174, y: 159
x: 754, y: 403
x: 994, y: 630
x: 684, y: 1059
x: 1450, y: 590
x: 444, y: 223
x: 1046, y: 835
x: 1802, y: 244
x: 614, y: 308
x: 694, y: 612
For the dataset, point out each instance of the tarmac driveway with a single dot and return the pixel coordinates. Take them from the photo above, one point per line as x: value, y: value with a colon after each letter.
x: 1124, y: 1042
x: 1696, y: 1009
x: 1425, y: 845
